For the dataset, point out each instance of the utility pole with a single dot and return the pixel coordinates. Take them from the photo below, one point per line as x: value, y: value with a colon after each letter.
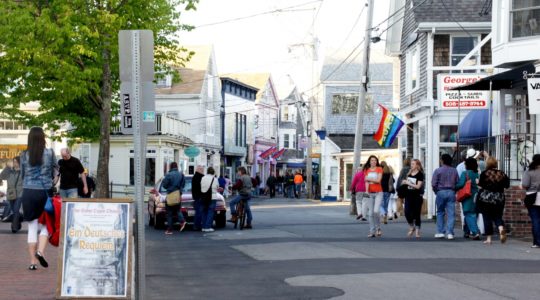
x: 364, y: 71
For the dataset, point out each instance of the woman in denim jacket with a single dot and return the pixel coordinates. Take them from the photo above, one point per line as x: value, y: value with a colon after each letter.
x: 39, y: 172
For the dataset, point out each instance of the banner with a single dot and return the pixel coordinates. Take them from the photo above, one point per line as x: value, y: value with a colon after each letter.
x: 96, y: 250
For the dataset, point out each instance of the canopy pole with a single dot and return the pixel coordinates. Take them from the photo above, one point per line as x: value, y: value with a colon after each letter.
x: 458, y: 123
x: 489, y: 115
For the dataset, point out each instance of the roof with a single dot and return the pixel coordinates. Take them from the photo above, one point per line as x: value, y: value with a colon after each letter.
x: 346, y: 142
x: 256, y: 80
x: 226, y: 78
x: 192, y: 75
x: 350, y: 72
x: 460, y: 11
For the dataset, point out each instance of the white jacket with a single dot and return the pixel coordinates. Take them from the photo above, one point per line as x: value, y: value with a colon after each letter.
x: 205, y: 184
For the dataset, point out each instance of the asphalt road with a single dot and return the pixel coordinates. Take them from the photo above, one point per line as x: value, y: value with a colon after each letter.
x: 306, y: 250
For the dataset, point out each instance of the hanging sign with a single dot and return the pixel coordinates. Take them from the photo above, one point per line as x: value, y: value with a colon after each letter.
x: 452, y: 99
x: 192, y: 151
x: 533, y: 89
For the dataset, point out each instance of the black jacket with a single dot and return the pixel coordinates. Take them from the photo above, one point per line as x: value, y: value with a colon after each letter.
x: 196, y: 186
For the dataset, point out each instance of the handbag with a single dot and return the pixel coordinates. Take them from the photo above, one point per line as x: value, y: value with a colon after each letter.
x: 490, y: 197
x: 173, y: 198
x: 530, y: 199
x: 207, y: 196
x: 465, y: 192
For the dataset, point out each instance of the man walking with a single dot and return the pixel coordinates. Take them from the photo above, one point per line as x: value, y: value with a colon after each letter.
x: 271, y: 183
x: 70, y: 171
x: 443, y: 184
x: 197, y: 197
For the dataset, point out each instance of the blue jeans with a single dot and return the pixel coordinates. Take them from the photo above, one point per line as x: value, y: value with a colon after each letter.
x: 470, y: 221
x: 298, y: 190
x: 171, y: 212
x: 290, y: 191
x: 197, y: 220
x: 69, y: 193
x: 446, y: 204
x: 534, y: 213
x: 384, y: 204
x: 247, y: 209
x: 208, y: 215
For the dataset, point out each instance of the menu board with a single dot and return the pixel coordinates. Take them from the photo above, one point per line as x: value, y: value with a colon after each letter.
x: 95, y: 250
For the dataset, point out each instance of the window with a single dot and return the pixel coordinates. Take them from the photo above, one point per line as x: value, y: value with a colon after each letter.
x: 285, y: 141
x: 294, y: 141
x: 164, y: 81
x: 412, y: 69
x: 518, y: 119
x: 333, y: 174
x: 525, y: 16
x: 150, y: 172
x: 448, y: 133
x: 347, y: 104
x: 460, y: 47
x: 286, y: 113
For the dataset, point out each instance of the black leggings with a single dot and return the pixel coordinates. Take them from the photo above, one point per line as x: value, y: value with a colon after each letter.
x: 413, y: 210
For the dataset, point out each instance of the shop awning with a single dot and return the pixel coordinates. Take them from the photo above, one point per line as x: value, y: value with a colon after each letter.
x: 504, y: 80
x: 474, y: 126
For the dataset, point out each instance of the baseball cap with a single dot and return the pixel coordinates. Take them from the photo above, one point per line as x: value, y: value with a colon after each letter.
x: 472, y: 153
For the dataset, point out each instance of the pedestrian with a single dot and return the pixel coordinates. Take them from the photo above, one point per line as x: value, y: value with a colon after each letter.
x: 401, y: 191
x: 271, y: 183
x: 387, y: 183
x: 222, y: 182
x: 372, y: 204
x: 531, y: 182
x: 468, y: 205
x: 471, y: 153
x: 243, y: 185
x: 89, y: 182
x: 209, y: 187
x: 70, y: 171
x: 289, y: 184
x: 226, y: 191
x: 257, y: 184
x: 490, y: 200
x: 414, y: 197
x: 197, y: 195
x: 174, y: 183
x: 444, y: 182
x: 298, y: 180
x: 280, y: 180
x: 12, y: 174
x: 358, y: 191
x: 39, y: 173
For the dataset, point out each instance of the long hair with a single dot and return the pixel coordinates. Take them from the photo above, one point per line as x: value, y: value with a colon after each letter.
x: 36, y: 146
x: 387, y: 169
x: 367, y: 165
x: 535, y: 162
x: 419, y: 164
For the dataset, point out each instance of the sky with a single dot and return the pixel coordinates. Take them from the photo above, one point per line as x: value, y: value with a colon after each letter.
x: 280, y: 42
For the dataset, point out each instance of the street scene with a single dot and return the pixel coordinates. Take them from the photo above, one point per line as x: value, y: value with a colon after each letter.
x: 287, y: 149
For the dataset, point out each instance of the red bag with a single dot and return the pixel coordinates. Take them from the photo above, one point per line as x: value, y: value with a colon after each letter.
x: 466, y: 191
x: 52, y: 221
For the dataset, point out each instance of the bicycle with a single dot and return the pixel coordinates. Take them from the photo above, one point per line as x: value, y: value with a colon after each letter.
x: 241, y: 213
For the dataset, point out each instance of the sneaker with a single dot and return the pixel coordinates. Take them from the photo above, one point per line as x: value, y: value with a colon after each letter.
x: 450, y: 237
x: 363, y: 219
x: 503, y: 236
x: 168, y: 232
x: 385, y: 220
x: 182, y: 226
x: 208, y: 230
x: 476, y: 237
x: 395, y: 216
x: 535, y: 246
x: 359, y: 217
x: 439, y: 235
x: 371, y: 235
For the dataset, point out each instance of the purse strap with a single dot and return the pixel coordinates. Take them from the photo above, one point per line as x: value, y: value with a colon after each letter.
x: 211, y: 183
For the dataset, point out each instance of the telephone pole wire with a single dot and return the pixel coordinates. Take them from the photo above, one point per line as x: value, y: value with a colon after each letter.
x: 364, y: 80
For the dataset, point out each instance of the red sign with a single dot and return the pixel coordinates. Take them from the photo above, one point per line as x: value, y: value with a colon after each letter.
x: 450, y: 99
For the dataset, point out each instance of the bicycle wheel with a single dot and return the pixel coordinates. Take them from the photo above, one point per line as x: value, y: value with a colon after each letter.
x: 242, y: 216
x: 239, y: 210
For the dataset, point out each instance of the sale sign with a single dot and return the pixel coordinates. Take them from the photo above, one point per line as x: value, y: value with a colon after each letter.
x: 453, y: 99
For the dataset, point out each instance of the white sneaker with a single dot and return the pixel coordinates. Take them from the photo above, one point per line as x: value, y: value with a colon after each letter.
x: 208, y: 230
x: 450, y: 237
x: 439, y: 235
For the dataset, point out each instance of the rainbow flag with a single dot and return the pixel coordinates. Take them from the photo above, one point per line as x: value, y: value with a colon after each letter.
x: 388, y: 128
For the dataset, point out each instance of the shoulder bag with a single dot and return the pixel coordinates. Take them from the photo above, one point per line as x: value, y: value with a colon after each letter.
x: 530, y: 198
x: 466, y: 191
x: 207, y: 196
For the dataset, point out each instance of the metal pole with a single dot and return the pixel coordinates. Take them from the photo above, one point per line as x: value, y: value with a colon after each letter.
x: 364, y: 71
x: 458, y: 123
x: 489, y: 115
x: 139, y: 159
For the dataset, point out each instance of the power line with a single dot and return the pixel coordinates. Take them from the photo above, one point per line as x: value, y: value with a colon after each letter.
x: 401, y: 18
x: 453, y: 19
x: 351, y: 30
x: 278, y: 10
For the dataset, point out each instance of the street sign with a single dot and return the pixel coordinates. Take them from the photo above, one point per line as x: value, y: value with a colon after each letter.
x: 452, y: 99
x: 533, y: 89
x: 149, y: 116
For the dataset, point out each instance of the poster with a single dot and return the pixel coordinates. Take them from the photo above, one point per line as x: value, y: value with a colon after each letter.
x: 95, y: 249
x: 452, y: 99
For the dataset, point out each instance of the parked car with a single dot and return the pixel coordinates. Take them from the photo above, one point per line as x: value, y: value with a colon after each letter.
x: 156, y: 206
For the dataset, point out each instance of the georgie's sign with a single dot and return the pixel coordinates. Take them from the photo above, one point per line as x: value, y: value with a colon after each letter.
x: 452, y: 99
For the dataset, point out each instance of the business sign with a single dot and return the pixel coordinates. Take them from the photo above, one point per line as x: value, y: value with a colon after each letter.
x: 96, y: 248
x: 192, y: 151
x: 453, y: 99
x: 533, y: 88
x: 8, y: 152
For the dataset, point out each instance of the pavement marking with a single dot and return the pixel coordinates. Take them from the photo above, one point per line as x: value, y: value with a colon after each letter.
x: 295, y: 251
x: 384, y: 286
x: 272, y: 206
x: 250, y: 234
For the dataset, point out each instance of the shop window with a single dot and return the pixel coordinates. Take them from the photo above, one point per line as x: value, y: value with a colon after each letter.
x: 525, y: 18
x: 448, y: 133
x: 150, y: 172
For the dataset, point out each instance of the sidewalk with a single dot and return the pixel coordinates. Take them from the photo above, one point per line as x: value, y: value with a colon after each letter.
x: 17, y: 281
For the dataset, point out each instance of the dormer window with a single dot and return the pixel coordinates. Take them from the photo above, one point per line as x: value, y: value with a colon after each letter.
x: 164, y: 81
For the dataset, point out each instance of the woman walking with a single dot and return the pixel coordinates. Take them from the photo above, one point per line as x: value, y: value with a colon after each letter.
x: 174, y: 183
x: 372, y: 205
x: 490, y: 200
x: 14, y: 192
x: 358, y: 189
x: 468, y: 205
x: 387, y: 183
x: 401, y: 191
x: 209, y: 186
x: 39, y: 172
x: 414, y: 197
x: 531, y: 182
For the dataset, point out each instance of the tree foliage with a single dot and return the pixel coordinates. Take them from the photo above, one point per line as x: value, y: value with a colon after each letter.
x: 64, y: 54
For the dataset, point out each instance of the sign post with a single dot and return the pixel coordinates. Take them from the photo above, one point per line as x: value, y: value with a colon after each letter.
x: 136, y: 50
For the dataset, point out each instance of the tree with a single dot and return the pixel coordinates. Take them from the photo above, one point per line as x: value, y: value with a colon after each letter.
x: 64, y: 54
